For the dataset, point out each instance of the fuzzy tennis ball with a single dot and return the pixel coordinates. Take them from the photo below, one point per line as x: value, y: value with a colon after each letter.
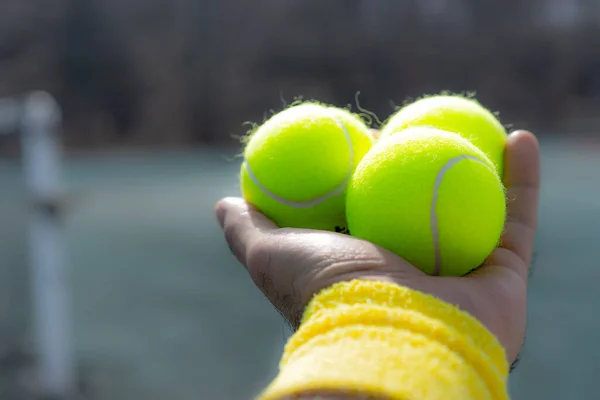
x: 298, y: 163
x: 457, y: 114
x: 431, y: 197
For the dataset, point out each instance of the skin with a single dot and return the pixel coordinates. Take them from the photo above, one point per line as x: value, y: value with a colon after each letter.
x: 291, y: 265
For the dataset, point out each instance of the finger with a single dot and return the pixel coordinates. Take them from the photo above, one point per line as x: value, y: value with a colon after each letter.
x: 375, y: 133
x: 522, y: 181
x: 242, y: 225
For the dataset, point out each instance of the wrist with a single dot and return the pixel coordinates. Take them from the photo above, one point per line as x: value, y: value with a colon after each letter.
x: 388, y: 341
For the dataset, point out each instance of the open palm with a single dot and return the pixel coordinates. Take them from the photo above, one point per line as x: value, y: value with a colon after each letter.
x: 291, y: 265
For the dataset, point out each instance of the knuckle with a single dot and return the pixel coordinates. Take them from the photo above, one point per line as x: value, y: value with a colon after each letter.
x: 230, y: 232
x: 258, y: 261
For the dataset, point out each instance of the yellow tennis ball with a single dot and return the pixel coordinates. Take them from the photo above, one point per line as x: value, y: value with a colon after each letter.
x: 457, y: 114
x: 431, y: 197
x: 297, y: 165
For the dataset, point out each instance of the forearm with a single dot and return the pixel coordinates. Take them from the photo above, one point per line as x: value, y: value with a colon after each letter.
x: 380, y: 340
x: 329, y: 396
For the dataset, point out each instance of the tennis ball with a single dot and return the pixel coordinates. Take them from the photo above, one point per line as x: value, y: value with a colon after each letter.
x: 457, y: 114
x: 298, y: 163
x: 429, y: 196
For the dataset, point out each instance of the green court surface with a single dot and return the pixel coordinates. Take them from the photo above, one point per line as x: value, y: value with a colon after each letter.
x: 162, y: 310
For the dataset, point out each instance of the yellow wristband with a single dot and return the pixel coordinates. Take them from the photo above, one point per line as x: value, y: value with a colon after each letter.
x: 378, y: 338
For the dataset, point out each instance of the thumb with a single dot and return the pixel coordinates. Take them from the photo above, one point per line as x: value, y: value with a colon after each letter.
x: 242, y: 224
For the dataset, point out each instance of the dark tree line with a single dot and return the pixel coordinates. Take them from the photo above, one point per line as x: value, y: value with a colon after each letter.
x: 185, y: 72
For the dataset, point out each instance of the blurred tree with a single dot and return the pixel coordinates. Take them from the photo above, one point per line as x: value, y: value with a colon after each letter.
x: 188, y: 71
x: 493, y: 18
x: 202, y: 65
x: 15, y: 36
x: 97, y: 72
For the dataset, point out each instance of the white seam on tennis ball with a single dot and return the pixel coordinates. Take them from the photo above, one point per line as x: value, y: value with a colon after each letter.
x: 310, y: 203
x: 434, y: 222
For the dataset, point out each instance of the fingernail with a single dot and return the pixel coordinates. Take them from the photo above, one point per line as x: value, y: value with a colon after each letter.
x: 519, y: 132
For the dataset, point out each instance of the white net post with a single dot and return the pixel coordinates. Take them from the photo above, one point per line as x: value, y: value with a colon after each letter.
x: 40, y: 124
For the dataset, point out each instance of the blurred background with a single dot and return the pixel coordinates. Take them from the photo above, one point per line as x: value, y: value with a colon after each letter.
x: 154, y: 95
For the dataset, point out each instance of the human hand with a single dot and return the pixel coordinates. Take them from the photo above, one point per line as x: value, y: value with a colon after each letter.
x: 291, y: 265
